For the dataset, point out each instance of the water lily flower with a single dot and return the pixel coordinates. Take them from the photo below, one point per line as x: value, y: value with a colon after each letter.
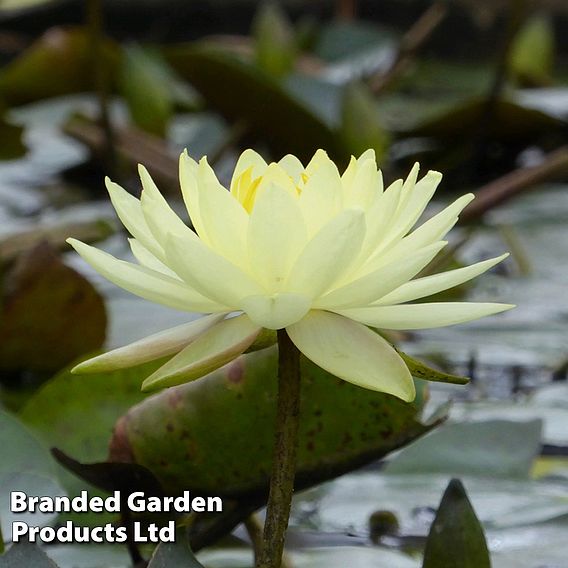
x: 327, y: 256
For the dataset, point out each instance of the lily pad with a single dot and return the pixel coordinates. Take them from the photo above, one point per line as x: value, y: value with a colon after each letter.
x: 77, y: 413
x: 232, y: 411
x: 496, y: 448
x: 50, y: 313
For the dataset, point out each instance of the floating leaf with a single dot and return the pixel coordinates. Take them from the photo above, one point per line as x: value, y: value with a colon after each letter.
x: 456, y: 538
x: 174, y: 554
x: 361, y: 127
x: 25, y: 555
x: 275, y: 47
x: 532, y: 52
x: 242, y: 93
x: 232, y: 410
x: 25, y: 466
x: 496, y: 448
x: 50, y: 314
x: 77, y: 413
x: 21, y: 450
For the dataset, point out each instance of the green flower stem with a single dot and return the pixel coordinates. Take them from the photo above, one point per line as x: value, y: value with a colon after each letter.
x: 284, y: 456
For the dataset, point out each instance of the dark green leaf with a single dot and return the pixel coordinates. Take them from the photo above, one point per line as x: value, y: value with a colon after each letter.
x: 456, y: 538
x: 275, y: 47
x: 26, y: 555
x: 174, y: 555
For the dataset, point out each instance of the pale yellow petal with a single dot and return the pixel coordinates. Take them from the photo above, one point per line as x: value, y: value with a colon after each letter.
x: 223, y: 216
x: 371, y: 287
x: 423, y: 316
x: 154, y: 346
x: 414, y: 205
x: 129, y: 211
x: 328, y: 255
x: 276, y: 236
x: 160, y: 217
x: 353, y: 353
x: 190, y: 191
x: 366, y: 186
x: 147, y: 259
x: 321, y: 197
x: 208, y: 272
x: 216, y: 347
x: 276, y: 311
x: 292, y: 166
x: 318, y: 159
x: 249, y: 159
x: 428, y: 285
x: 146, y: 283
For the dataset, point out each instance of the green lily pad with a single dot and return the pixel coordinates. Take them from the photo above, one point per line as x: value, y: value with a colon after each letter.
x: 215, y: 435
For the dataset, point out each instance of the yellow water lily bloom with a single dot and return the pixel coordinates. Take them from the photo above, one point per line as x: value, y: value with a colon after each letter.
x: 322, y: 254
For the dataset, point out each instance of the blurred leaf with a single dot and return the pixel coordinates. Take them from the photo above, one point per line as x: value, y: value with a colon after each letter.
x: 510, y: 121
x: 58, y: 63
x: 7, y: 5
x: 361, y: 127
x: 50, y: 313
x: 21, y: 450
x: 241, y: 92
x: 145, y: 82
x: 30, y: 484
x: 340, y: 40
x: 11, y: 144
x: 532, y: 53
x: 27, y: 466
x: 77, y: 413
x: 26, y: 555
x: 275, y: 42
x: 496, y: 448
x: 232, y: 410
x: 176, y: 554
x: 420, y: 370
x: 456, y: 538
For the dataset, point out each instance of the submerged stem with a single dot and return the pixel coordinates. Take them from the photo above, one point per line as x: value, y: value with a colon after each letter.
x: 284, y: 455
